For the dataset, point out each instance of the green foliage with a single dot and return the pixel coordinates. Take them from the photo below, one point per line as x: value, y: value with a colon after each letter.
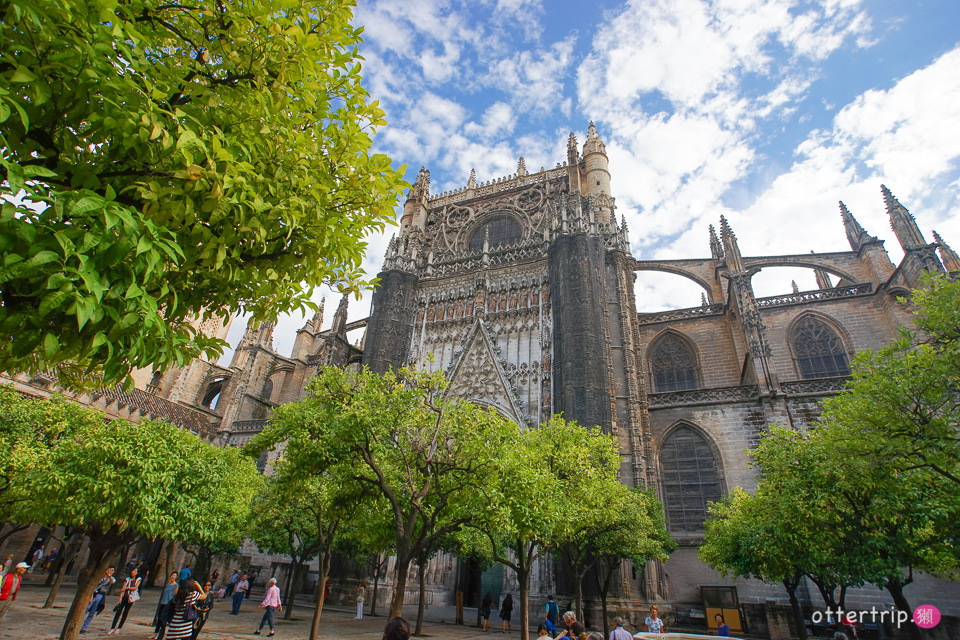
x: 633, y: 529
x: 162, y: 162
x: 903, y: 406
x: 430, y: 461
x: 151, y: 478
x: 28, y: 430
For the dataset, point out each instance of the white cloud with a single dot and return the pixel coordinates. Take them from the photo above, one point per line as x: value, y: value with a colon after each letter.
x: 533, y: 80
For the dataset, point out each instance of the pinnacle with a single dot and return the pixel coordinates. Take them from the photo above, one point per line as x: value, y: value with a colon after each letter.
x: 725, y: 229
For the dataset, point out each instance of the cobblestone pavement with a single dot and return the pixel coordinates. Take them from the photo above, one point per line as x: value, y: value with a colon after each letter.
x: 26, y: 619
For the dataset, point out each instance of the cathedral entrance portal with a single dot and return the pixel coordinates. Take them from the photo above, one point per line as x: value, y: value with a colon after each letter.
x: 475, y: 582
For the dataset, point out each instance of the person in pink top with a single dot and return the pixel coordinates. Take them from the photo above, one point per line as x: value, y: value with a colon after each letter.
x: 271, y: 603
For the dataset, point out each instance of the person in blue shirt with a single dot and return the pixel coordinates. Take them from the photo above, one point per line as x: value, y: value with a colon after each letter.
x: 165, y: 608
x: 723, y: 629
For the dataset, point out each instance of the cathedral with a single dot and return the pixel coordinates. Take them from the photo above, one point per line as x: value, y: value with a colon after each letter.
x: 522, y: 290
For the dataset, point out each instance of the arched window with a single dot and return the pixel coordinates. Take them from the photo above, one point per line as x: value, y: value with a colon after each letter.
x: 501, y: 230
x: 690, y: 478
x: 674, y: 364
x: 818, y: 349
x: 267, y: 390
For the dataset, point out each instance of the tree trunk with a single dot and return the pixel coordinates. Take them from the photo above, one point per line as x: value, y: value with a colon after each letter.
x: 103, y: 549
x: 826, y: 592
x: 423, y: 592
x: 399, y: 585
x: 791, y: 584
x: 70, y: 550
x: 168, y: 567
x: 895, y: 587
x: 523, y: 577
x: 14, y: 528
x: 321, y: 595
x: 381, y: 561
x: 578, y: 594
x: 152, y: 560
x: 294, y: 588
x: 202, y: 569
x: 603, y: 588
x: 288, y: 588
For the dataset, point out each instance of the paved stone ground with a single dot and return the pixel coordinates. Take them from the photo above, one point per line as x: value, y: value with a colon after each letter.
x: 26, y: 619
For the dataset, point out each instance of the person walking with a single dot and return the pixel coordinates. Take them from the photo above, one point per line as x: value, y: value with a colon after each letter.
x: 37, y: 559
x: 232, y: 583
x: 165, y: 608
x: 271, y: 603
x: 485, y: 607
x: 239, y: 593
x: 96, y: 602
x: 552, y: 614
x: 11, y: 586
x: 506, y: 612
x: 129, y: 594
x: 619, y: 633
x: 360, y: 593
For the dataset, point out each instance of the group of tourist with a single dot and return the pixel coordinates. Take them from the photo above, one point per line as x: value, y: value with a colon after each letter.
x: 184, y: 605
x: 506, y: 611
x: 571, y: 629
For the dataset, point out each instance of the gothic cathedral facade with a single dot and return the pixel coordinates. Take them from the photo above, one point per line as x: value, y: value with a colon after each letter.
x: 522, y: 290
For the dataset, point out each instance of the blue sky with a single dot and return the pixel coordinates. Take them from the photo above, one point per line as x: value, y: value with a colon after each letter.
x: 765, y: 111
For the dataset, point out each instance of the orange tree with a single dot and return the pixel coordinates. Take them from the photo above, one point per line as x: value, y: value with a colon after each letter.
x: 164, y: 161
x: 115, y: 481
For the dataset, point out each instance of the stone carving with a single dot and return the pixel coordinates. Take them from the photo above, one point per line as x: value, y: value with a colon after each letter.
x: 478, y: 375
x: 822, y: 386
x: 703, y: 396
x: 802, y: 297
x: 680, y: 314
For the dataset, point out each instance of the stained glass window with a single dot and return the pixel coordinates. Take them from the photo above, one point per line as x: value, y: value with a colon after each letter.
x: 674, y: 365
x: 690, y: 478
x: 819, y: 350
x: 502, y: 230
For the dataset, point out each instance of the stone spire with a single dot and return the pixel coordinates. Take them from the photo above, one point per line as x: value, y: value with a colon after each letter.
x: 472, y: 180
x: 593, y: 143
x: 823, y: 279
x: 793, y: 285
x: 316, y: 322
x: 340, y: 316
x: 949, y: 258
x: 856, y: 235
x: 716, y: 249
x: 902, y: 221
x: 572, y: 153
x: 731, y: 250
x: 522, y: 168
x: 415, y: 208
x: 421, y: 186
x: 573, y: 163
x: 258, y: 334
x: 703, y: 299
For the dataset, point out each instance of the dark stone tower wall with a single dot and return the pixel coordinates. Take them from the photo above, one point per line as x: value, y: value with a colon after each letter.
x: 391, y: 321
x: 581, y: 380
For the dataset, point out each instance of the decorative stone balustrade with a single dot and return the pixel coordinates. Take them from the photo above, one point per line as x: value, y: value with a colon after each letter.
x: 814, y: 387
x: 680, y: 314
x: 813, y: 296
x: 694, y: 397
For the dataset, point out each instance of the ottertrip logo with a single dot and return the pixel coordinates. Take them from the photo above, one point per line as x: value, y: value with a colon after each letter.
x: 926, y: 616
